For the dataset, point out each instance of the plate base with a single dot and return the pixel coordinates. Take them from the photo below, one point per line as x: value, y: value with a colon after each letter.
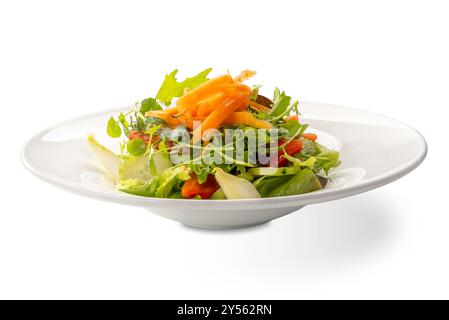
x: 227, y: 227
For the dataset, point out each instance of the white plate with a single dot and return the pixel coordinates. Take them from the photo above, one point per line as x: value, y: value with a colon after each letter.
x: 375, y: 150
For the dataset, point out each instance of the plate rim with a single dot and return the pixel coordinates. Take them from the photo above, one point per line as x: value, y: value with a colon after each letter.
x: 274, y: 202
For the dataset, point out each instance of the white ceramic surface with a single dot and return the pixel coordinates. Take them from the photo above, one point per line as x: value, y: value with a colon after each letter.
x: 375, y: 150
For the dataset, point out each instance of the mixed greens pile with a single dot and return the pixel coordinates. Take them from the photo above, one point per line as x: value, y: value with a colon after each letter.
x: 184, y: 148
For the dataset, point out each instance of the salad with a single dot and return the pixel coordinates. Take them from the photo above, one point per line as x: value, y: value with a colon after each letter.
x: 214, y: 138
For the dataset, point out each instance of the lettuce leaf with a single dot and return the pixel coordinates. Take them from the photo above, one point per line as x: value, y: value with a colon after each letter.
x: 169, y: 178
x: 266, y: 184
x: 171, y: 88
x: 303, y: 182
x: 159, y: 186
x: 309, y: 148
x: 328, y: 160
x: 309, y: 163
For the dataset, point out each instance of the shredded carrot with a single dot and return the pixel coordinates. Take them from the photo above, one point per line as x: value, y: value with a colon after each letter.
x: 292, y: 117
x: 258, y: 106
x: 244, y: 75
x: 245, y: 117
x: 216, y: 118
x: 167, y: 115
x: 310, y: 136
x: 216, y: 101
x: 201, y: 92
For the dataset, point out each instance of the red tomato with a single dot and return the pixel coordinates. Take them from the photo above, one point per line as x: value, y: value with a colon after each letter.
x: 292, y: 148
x: 193, y: 188
x: 135, y: 134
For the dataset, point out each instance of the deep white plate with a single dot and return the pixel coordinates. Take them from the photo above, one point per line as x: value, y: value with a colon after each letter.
x: 375, y: 150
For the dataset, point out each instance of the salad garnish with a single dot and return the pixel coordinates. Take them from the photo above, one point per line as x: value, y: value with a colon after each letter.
x: 215, y: 138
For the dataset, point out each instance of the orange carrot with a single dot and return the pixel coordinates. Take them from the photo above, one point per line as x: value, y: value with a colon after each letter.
x: 206, y: 106
x: 216, y: 118
x: 258, y: 106
x: 310, y: 136
x: 245, y: 117
x: 166, y: 115
x: 244, y: 75
x: 200, y: 92
x: 293, y: 117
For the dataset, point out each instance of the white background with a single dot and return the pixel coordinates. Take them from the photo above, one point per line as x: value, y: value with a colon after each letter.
x: 61, y: 59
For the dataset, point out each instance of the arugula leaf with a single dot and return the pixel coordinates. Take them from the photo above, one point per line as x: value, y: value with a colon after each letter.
x: 171, y: 88
x: 280, y: 103
x: 149, y: 104
x: 113, y: 129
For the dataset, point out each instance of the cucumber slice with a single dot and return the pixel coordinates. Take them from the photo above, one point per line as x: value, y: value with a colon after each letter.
x: 270, y: 171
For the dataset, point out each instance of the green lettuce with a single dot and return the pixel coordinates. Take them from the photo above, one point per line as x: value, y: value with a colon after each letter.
x: 328, y: 160
x: 169, y: 178
x: 309, y: 163
x: 171, y: 88
x: 266, y: 184
x: 159, y: 186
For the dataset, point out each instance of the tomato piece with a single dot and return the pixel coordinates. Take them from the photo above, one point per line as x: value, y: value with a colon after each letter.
x: 292, y: 148
x: 193, y: 188
x: 293, y: 117
x: 135, y: 134
x: 310, y: 136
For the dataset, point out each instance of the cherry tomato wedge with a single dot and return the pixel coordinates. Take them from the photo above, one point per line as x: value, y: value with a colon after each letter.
x: 292, y: 148
x: 193, y: 188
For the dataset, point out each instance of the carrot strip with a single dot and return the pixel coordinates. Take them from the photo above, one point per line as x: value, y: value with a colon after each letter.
x: 245, y: 117
x: 205, y: 107
x: 292, y: 117
x: 161, y: 113
x: 258, y: 106
x: 310, y: 136
x: 200, y: 92
x: 166, y: 115
x: 244, y: 75
x: 216, y: 118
